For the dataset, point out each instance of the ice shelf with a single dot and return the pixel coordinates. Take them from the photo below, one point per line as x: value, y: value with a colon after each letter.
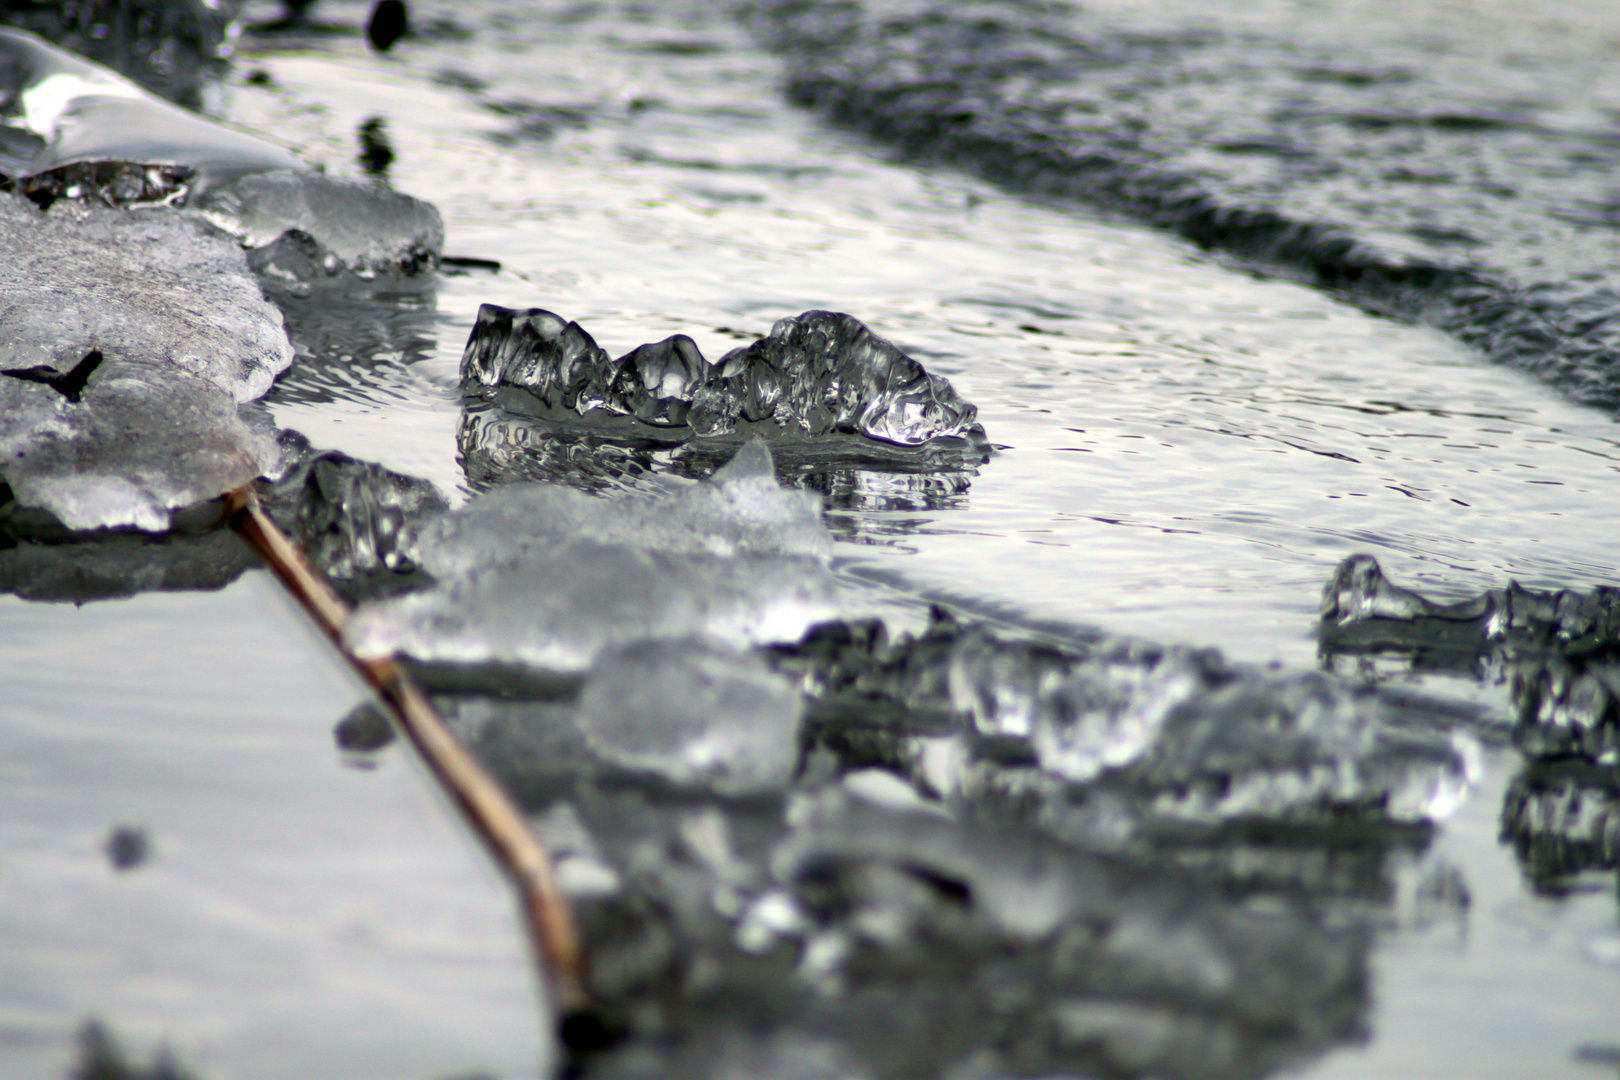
x: 183, y: 335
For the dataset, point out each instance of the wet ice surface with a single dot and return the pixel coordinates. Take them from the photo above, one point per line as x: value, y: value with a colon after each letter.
x: 286, y: 914
x: 544, y: 577
x: 184, y: 335
x: 339, y: 224
x: 813, y: 377
x: 62, y: 112
x: 1008, y: 845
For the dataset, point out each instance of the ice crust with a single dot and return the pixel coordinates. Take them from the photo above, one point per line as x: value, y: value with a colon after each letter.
x: 816, y: 375
x: 185, y: 334
x: 539, y: 576
x: 60, y: 111
x: 305, y: 226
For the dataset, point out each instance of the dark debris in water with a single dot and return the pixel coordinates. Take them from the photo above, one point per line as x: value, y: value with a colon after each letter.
x: 102, y: 1058
x: 128, y: 846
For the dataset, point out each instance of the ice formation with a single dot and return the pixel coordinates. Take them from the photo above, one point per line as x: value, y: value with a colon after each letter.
x: 1560, y: 650
x: 184, y: 334
x: 357, y: 521
x: 539, y: 576
x: 694, y: 713
x: 304, y: 226
x: 816, y: 375
x: 1181, y: 735
x: 71, y: 127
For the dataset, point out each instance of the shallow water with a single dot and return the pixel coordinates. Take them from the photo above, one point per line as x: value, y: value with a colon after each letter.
x: 1184, y: 449
x: 290, y: 911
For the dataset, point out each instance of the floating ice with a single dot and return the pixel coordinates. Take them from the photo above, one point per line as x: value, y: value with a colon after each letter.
x: 1558, y: 648
x: 816, y: 375
x: 306, y: 225
x: 694, y: 713
x: 357, y: 521
x: 184, y: 334
x: 1188, y: 737
x: 71, y: 127
x: 544, y: 577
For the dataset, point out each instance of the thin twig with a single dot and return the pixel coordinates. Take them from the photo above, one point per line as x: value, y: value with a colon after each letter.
x: 546, y: 910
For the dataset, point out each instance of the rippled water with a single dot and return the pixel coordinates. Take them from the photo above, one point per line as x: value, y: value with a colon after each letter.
x: 1191, y: 427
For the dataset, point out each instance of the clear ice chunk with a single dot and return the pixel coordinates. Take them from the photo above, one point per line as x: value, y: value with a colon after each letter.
x: 357, y: 521
x: 695, y: 713
x: 544, y: 577
x: 816, y: 375
x: 183, y: 334
x: 59, y: 111
x: 305, y: 225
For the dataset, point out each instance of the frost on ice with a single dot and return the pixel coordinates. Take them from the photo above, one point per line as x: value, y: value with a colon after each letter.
x: 544, y: 577
x: 818, y: 375
x: 184, y: 336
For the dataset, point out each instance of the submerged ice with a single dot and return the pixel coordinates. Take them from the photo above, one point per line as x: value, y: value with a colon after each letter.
x: 816, y: 375
x: 543, y: 577
x: 184, y: 336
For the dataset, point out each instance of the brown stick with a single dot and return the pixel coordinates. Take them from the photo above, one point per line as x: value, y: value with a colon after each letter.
x: 546, y: 910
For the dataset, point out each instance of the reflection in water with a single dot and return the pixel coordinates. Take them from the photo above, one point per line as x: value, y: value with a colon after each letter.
x: 348, y: 331
x: 861, y: 483
x: 1559, y: 653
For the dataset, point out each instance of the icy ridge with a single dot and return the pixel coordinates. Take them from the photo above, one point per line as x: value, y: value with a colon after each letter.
x: 1560, y: 650
x: 816, y: 374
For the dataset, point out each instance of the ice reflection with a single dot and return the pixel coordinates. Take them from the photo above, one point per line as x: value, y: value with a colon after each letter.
x: 875, y: 500
x: 1557, y: 653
